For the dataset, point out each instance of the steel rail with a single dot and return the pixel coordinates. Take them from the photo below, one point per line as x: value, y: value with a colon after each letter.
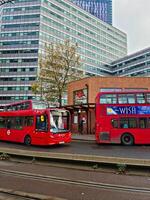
x: 11, y: 194
x: 21, y: 197
x: 47, y: 178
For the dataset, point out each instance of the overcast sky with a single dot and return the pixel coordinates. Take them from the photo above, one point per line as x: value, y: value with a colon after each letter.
x: 133, y: 18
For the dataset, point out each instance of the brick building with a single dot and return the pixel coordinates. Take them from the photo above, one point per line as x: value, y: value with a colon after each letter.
x: 82, y: 93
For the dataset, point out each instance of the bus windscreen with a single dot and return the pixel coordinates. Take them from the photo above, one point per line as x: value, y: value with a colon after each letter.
x: 59, y: 121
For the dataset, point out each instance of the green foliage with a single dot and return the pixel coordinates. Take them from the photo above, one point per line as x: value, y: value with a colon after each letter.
x: 95, y: 166
x: 35, y: 88
x: 58, y: 66
x: 4, y: 156
x: 121, y: 168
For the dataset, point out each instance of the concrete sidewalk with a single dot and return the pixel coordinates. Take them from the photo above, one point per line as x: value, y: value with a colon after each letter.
x: 85, y: 137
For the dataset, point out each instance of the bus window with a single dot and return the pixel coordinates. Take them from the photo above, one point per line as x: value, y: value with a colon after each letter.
x: 26, y: 105
x: 124, y: 123
x: 9, y: 122
x: 39, y: 105
x: 109, y: 99
x: 18, y: 123
x: 114, y: 123
x: 2, y: 122
x: 103, y: 99
x: 59, y: 121
x: 148, y: 97
x: 18, y: 107
x: 112, y: 98
x: 131, y: 98
x: 28, y: 121
x: 41, y: 123
x: 12, y: 108
x: 14, y: 123
x: 148, y: 124
x: 142, y: 122
x: 122, y: 99
x: 141, y: 98
x: 132, y: 122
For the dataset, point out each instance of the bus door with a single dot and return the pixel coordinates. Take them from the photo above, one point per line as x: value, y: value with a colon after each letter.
x: 14, y: 129
x: 103, y: 129
x: 41, y: 128
x: 2, y: 127
x: 143, y: 132
x: 114, y: 133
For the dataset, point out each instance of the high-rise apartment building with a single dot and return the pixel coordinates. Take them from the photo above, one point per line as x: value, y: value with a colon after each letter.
x: 25, y: 27
x: 99, y: 8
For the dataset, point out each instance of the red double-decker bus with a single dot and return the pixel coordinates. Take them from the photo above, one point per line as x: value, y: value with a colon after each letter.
x: 26, y: 105
x: 123, y: 117
x: 35, y: 126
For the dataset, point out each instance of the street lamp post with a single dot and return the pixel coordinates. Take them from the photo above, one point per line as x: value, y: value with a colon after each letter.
x: 87, y: 111
x: 87, y: 87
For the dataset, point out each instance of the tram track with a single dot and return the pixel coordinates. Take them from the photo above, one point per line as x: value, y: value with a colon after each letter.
x: 13, y: 196
x: 9, y: 195
x: 62, y: 180
x: 6, y: 194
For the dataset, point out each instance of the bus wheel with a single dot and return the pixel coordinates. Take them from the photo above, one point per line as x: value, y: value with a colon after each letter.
x: 27, y: 140
x: 127, y: 139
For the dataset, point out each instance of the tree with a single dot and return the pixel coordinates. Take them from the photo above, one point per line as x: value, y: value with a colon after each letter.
x: 36, y: 89
x: 59, y: 65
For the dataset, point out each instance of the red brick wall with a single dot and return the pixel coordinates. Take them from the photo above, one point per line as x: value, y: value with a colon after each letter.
x: 95, y: 83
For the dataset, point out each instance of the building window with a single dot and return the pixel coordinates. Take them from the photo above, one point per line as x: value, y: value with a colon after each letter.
x: 141, y: 98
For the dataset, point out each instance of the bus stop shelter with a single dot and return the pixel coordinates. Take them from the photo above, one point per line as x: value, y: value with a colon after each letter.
x: 82, y: 118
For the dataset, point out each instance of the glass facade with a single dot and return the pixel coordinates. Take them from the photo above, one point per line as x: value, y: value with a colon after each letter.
x: 99, y: 8
x: 25, y: 27
x: 19, y: 46
x: 137, y: 64
x: 99, y: 43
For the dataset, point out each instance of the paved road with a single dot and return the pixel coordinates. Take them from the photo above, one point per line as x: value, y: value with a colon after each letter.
x: 72, y: 191
x: 90, y: 148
